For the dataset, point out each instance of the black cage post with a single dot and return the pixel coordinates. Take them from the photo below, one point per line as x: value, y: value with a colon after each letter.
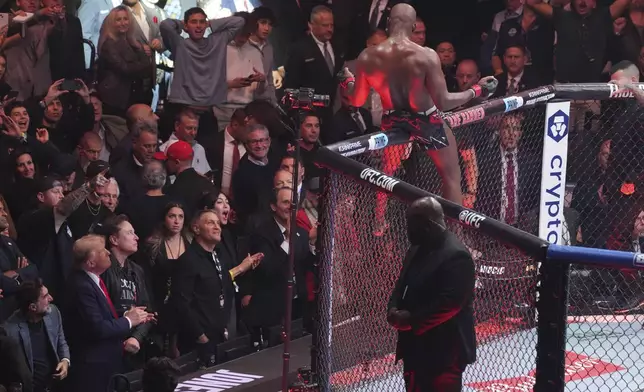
x: 552, y: 310
x: 288, y: 314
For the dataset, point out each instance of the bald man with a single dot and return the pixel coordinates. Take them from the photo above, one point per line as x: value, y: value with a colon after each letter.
x: 411, y: 85
x: 431, y: 304
x: 467, y: 74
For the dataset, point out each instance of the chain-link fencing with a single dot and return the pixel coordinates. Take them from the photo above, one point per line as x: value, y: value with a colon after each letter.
x: 500, y: 160
x: 368, y: 242
x: 605, y: 338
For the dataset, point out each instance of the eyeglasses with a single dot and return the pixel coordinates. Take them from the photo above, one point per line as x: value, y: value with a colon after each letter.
x: 259, y: 141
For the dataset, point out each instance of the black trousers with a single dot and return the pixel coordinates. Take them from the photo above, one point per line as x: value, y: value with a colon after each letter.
x: 430, y: 379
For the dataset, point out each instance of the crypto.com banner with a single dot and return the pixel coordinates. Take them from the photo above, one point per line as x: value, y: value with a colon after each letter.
x: 553, y: 172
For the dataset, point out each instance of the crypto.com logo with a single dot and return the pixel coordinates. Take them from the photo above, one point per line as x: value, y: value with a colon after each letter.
x: 558, y: 126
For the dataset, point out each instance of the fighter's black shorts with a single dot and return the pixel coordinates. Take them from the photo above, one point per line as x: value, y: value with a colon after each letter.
x: 427, y: 128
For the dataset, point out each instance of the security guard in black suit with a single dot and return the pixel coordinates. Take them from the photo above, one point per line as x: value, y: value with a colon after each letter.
x: 431, y: 305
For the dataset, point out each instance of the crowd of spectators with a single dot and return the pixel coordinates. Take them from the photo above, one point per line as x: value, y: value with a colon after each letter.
x: 146, y: 191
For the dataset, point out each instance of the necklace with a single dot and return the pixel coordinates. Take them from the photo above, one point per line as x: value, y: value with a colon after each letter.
x: 167, y: 244
x: 93, y: 210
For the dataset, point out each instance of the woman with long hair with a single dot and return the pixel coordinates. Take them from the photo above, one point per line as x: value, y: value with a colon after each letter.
x: 160, y: 253
x: 21, y: 196
x: 162, y: 249
x: 124, y: 64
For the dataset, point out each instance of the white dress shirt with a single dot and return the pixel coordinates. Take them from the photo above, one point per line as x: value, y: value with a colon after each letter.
x: 227, y: 168
x: 517, y: 80
x: 321, y: 46
x: 504, y: 171
x: 142, y: 21
x: 199, y: 161
x: 504, y: 15
x: 381, y: 9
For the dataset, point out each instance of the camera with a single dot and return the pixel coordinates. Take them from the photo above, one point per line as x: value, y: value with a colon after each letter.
x: 306, y: 381
x: 304, y: 98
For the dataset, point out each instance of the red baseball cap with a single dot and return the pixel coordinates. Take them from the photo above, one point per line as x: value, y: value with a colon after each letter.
x: 179, y: 151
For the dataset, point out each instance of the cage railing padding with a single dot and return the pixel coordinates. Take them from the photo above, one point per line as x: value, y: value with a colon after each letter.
x: 595, y: 256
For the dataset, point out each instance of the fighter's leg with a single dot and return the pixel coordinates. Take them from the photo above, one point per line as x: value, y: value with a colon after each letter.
x: 446, y: 161
x: 392, y: 157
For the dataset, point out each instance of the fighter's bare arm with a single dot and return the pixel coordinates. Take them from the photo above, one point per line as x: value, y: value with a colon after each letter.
x: 435, y: 83
x: 357, y: 87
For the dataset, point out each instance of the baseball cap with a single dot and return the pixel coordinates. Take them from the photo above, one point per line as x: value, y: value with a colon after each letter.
x: 46, y: 183
x: 95, y: 168
x: 179, y: 150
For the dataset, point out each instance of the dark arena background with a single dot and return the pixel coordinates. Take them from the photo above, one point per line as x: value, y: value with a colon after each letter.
x: 553, y: 315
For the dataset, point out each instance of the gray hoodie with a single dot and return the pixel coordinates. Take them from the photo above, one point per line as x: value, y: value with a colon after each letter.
x: 200, y: 66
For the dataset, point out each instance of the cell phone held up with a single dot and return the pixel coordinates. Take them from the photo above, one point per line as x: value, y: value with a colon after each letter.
x: 70, y: 85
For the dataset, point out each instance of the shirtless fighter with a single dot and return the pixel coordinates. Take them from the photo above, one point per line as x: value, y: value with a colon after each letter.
x: 411, y: 85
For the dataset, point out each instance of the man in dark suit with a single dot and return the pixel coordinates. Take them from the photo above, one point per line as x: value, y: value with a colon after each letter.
x: 38, y: 327
x: 202, y: 292
x: 13, y: 364
x: 67, y: 60
x: 314, y: 62
x: 369, y: 16
x: 14, y: 268
x: 508, y: 175
x: 516, y: 77
x: 94, y: 330
x: 349, y: 122
x: 189, y: 186
x: 431, y: 305
x: 264, y: 299
x: 225, y: 149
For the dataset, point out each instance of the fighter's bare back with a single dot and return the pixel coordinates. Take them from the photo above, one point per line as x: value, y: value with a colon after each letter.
x: 398, y: 70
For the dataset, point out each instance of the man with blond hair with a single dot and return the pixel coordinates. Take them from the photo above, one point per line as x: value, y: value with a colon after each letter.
x: 95, y: 332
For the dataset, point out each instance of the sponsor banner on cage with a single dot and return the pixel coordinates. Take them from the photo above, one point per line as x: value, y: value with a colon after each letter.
x: 465, y: 117
x: 553, y: 172
x: 378, y: 179
x: 512, y: 103
x: 578, y: 367
x: 616, y: 93
x: 353, y: 148
x: 378, y: 141
x: 220, y: 380
x: 471, y: 218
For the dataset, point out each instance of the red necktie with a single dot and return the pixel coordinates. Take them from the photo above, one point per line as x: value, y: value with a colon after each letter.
x: 510, y: 190
x: 107, y: 297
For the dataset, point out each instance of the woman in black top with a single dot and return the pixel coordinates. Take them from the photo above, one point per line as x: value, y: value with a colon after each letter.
x: 160, y: 252
x: 22, y: 193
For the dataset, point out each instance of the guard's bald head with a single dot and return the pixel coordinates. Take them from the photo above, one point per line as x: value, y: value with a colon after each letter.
x: 402, y: 18
x: 428, y: 208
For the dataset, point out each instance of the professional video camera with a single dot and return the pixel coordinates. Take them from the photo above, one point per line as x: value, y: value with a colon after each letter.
x: 306, y: 381
x: 304, y: 98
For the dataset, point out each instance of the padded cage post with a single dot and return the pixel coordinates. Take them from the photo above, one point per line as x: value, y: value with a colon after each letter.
x: 552, y: 310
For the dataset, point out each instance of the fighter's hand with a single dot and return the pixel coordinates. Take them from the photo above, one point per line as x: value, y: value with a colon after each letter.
x: 485, y: 87
x: 346, y: 78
